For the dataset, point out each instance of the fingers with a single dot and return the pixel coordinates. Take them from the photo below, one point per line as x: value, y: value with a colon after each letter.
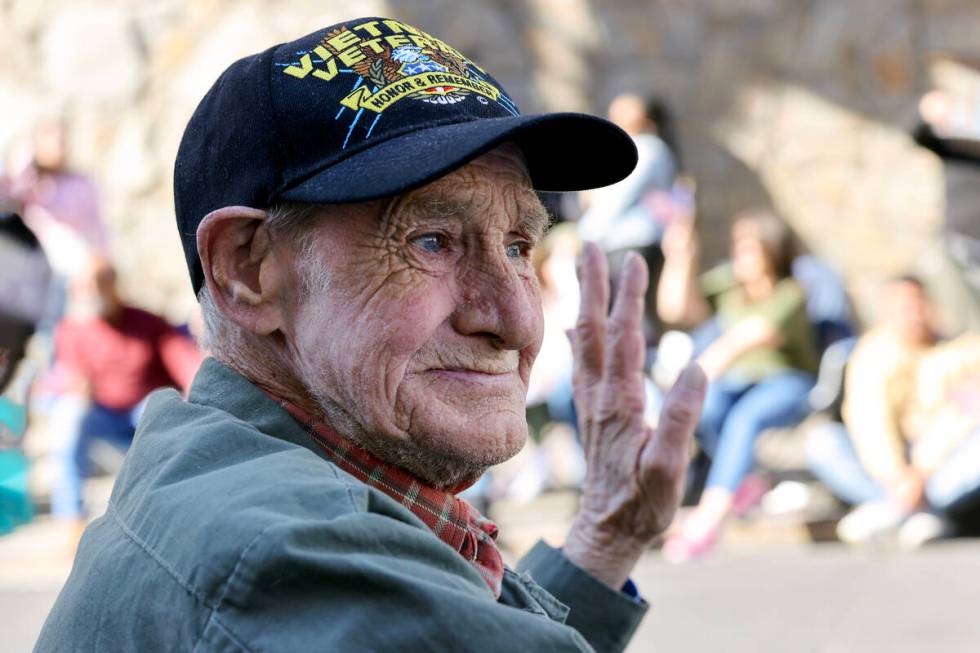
x: 625, y: 344
x: 588, y: 342
x: 679, y: 417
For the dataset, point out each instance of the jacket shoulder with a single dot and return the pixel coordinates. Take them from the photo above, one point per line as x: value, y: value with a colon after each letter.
x: 227, y: 537
x: 200, y: 486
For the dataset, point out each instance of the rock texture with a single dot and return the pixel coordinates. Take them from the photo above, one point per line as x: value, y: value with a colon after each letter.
x: 805, y: 105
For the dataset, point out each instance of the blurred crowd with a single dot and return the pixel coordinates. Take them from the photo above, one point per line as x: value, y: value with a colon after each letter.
x: 882, y: 419
x: 77, y: 360
x: 885, y: 416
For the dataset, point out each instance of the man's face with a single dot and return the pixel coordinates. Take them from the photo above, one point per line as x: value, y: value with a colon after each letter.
x: 418, y: 338
x: 93, y: 293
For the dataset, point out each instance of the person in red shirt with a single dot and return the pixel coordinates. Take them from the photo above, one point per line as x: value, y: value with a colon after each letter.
x: 110, y: 356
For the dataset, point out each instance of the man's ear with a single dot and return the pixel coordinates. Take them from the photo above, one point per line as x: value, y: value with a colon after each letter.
x: 241, y: 270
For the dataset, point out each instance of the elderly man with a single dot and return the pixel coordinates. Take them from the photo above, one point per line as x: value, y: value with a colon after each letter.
x: 358, y: 215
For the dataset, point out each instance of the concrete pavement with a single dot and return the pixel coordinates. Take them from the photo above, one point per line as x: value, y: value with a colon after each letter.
x: 815, y: 599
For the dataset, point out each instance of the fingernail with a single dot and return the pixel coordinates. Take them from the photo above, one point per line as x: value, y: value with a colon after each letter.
x: 692, y: 378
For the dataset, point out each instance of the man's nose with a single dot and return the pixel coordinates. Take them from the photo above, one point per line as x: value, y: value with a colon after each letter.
x: 499, y: 301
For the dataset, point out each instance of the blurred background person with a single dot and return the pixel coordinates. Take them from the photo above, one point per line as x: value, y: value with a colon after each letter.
x: 62, y: 208
x: 945, y: 452
x: 904, y: 454
x: 623, y: 217
x: 59, y: 204
x: 108, y: 357
x: 870, y: 443
x: 760, y: 367
x: 950, y: 128
x: 24, y: 279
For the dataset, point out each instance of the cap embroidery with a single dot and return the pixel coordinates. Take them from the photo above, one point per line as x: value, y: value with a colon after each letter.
x: 393, y: 61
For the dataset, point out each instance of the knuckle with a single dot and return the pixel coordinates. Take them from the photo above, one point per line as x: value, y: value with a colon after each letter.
x: 585, y: 322
x: 618, y: 403
x: 586, y: 337
x: 616, y: 330
x: 679, y: 413
x: 581, y: 376
x: 622, y: 335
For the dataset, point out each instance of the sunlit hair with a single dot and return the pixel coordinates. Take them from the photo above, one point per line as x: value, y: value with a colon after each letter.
x: 777, y: 239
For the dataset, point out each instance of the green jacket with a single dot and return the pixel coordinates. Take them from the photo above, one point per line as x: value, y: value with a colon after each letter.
x: 228, y: 530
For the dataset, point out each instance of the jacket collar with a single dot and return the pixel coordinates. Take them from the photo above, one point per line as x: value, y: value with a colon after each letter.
x: 219, y: 386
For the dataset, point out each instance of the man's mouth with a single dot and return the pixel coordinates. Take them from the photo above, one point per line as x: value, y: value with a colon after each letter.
x: 485, y: 377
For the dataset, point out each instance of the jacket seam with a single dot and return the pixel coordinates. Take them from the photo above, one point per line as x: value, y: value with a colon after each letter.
x: 213, y: 616
x: 157, y: 558
x: 214, y: 619
x: 350, y: 497
x: 212, y: 607
x: 238, y: 563
x: 111, y: 509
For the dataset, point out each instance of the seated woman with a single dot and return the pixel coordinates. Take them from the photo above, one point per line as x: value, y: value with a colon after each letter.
x: 762, y: 365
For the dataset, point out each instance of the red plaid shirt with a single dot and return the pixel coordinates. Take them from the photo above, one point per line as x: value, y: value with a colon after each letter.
x: 452, y: 519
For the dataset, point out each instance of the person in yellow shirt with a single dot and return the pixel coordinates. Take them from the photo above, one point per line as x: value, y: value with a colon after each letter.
x: 901, y: 454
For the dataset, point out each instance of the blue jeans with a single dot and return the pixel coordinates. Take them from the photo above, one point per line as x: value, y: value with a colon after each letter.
x: 735, y: 414
x: 85, y: 423
x: 955, y: 485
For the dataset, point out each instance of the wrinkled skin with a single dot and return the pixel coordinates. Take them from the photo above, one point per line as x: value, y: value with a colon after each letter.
x: 421, y: 342
x: 635, y: 471
x: 413, y: 329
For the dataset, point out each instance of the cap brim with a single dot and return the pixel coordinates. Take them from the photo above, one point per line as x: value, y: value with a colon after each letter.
x: 564, y: 152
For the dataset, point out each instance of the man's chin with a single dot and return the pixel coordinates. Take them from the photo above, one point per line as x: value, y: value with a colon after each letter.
x: 488, y: 440
x: 449, y: 451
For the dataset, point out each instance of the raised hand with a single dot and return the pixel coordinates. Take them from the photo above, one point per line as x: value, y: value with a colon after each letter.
x: 635, y: 472
x: 681, y: 241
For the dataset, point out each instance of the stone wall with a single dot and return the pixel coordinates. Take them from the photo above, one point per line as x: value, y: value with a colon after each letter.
x: 807, y: 106
x: 804, y: 104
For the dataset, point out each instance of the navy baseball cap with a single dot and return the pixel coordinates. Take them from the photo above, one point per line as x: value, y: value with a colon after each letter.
x: 366, y: 109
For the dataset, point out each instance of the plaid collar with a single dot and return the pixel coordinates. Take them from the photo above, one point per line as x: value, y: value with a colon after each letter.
x: 452, y: 519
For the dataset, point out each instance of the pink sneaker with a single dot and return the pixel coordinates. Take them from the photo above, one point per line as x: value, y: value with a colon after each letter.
x: 680, y: 548
x: 749, y: 494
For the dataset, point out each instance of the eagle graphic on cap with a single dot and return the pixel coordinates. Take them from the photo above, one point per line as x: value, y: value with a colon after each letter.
x: 407, y: 60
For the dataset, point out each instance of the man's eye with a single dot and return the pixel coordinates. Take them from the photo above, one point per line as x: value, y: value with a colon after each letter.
x: 431, y: 243
x: 518, y: 250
